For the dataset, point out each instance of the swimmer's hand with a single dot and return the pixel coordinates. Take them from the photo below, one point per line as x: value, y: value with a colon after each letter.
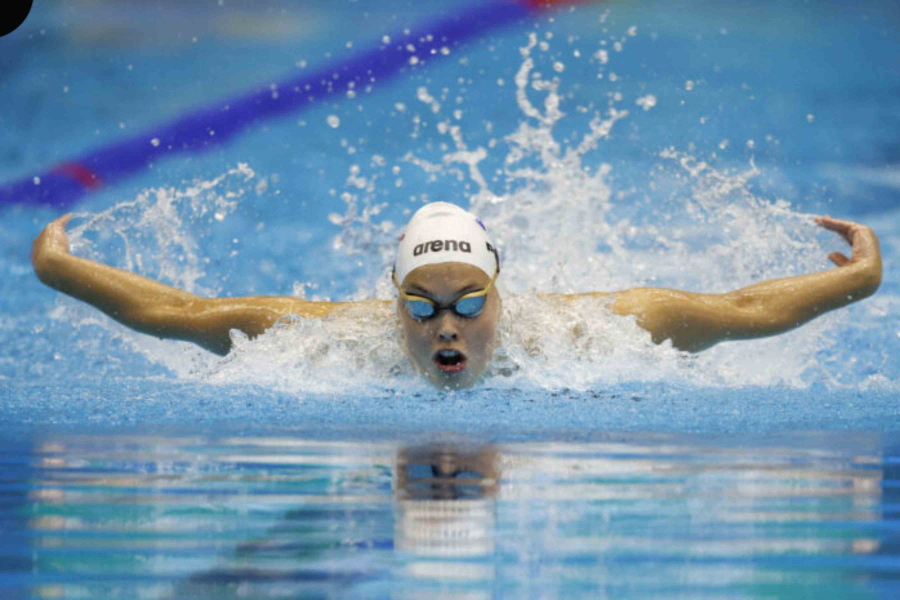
x: 52, y: 242
x: 863, y: 242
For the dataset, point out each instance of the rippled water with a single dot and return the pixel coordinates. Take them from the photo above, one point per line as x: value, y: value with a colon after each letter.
x: 283, y: 515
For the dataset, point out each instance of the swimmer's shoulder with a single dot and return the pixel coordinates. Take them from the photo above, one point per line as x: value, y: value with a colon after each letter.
x: 603, y: 297
x: 279, y: 306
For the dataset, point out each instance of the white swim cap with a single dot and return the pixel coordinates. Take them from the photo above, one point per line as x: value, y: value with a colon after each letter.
x: 442, y: 232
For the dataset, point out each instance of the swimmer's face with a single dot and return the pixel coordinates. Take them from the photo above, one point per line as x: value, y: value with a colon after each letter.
x: 450, y: 350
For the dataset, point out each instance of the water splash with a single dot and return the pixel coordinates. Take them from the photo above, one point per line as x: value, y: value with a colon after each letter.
x: 561, y: 226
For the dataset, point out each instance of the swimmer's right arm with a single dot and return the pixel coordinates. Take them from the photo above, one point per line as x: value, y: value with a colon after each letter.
x: 151, y: 307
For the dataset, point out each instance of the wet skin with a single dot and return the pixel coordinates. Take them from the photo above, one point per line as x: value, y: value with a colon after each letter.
x: 692, y: 321
x: 474, y: 337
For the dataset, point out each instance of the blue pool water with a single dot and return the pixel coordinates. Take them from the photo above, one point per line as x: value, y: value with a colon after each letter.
x: 606, y: 146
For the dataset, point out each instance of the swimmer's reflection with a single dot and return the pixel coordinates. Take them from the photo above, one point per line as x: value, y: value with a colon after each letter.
x: 445, y: 507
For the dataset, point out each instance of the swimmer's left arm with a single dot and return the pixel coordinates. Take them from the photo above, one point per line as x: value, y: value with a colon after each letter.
x: 695, y: 322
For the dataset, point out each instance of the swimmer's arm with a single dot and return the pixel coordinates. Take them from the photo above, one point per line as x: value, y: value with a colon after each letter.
x: 151, y: 307
x: 695, y: 322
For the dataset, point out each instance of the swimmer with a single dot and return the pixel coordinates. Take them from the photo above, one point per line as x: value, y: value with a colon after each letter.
x: 447, y: 304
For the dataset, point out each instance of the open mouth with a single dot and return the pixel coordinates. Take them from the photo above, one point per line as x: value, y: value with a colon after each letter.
x: 450, y: 361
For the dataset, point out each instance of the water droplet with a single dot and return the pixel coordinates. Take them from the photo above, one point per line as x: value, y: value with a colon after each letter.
x: 37, y: 181
x: 810, y: 118
x: 559, y: 67
x: 333, y: 121
x: 688, y: 85
x: 646, y: 102
x: 154, y: 142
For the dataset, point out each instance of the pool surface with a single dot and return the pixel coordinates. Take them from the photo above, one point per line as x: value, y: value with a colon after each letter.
x: 606, y: 146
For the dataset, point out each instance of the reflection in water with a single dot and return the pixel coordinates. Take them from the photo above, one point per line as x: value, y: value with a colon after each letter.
x: 282, y: 517
x: 444, y: 518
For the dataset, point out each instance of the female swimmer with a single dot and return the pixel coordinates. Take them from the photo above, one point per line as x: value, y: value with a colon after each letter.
x: 448, y: 306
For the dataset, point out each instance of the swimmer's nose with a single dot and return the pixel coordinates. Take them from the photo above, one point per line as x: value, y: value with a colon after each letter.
x: 448, y: 336
x: 447, y: 331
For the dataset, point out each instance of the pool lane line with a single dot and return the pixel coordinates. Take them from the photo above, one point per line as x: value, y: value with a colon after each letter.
x: 216, y: 124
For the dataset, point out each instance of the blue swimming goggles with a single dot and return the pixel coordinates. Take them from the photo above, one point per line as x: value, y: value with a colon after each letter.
x: 468, y: 306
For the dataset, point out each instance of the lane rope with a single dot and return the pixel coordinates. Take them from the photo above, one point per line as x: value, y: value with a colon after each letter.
x: 207, y: 127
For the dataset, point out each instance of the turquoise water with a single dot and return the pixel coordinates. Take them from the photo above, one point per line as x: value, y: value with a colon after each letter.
x: 312, y: 462
x: 283, y: 515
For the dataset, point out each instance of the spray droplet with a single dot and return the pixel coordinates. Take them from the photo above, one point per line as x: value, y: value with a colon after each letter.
x: 37, y: 181
x: 559, y: 67
x: 688, y: 85
x: 334, y: 121
x: 810, y: 118
x: 154, y: 142
x: 646, y: 102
